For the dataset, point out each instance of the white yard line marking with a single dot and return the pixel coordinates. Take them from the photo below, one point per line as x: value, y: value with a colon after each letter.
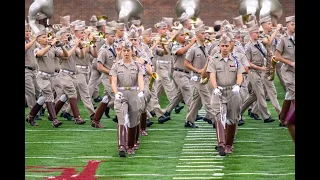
x: 195, y: 139
x: 188, y: 170
x: 197, y: 152
x: 262, y: 156
x: 201, y: 144
x: 197, y: 156
x: 206, y: 166
x: 201, y: 136
x: 203, y: 159
x: 240, y: 141
x: 264, y: 174
x: 197, y: 177
x: 96, y: 142
x: 199, y: 162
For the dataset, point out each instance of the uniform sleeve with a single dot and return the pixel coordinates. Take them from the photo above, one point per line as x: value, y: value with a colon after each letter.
x: 35, y: 51
x: 101, y: 56
x: 248, y: 53
x: 190, y: 55
x: 211, y: 67
x: 243, y: 60
x: 175, y: 48
x: 140, y: 72
x: 215, y: 50
x: 280, y: 46
x: 240, y: 69
x: 113, y: 71
x: 58, y: 51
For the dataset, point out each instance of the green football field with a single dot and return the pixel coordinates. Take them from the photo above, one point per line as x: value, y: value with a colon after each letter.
x: 170, y: 151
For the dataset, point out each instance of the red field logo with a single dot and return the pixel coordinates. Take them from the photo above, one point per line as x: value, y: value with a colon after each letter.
x: 69, y: 173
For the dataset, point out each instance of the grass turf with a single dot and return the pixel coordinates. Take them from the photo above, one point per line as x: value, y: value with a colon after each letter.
x: 262, y: 150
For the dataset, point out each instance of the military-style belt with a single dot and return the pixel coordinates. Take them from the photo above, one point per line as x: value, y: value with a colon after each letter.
x: 30, y: 68
x: 181, y: 70
x: 128, y: 88
x: 67, y: 71
x: 82, y: 67
x: 164, y: 62
x: 225, y: 87
x: 44, y: 73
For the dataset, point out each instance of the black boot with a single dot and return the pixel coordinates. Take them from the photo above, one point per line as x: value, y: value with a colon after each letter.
x: 115, y: 119
x: 153, y: 114
x: 106, y: 112
x: 163, y: 119
x: 178, y: 108
x: 149, y: 123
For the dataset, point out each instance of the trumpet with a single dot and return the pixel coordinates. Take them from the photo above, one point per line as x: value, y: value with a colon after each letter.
x: 152, y: 79
x: 85, y: 44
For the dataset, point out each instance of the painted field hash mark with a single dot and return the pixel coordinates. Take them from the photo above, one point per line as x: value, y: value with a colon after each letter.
x: 69, y: 173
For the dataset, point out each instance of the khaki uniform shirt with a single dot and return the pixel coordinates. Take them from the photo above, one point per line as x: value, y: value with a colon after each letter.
x: 30, y: 59
x: 226, y: 72
x: 127, y: 74
x: 107, y: 55
x: 46, y: 63
x: 99, y: 44
x: 70, y: 63
x: 148, y: 51
x: 178, y: 60
x: 287, y: 49
x: 196, y: 56
x: 254, y: 55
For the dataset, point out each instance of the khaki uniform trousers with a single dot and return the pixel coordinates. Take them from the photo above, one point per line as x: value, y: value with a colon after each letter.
x: 256, y: 79
x: 105, y: 79
x: 165, y: 82
x: 45, y: 84
x: 129, y: 106
x: 278, y: 71
x: 82, y: 88
x: 185, y: 89
x: 68, y: 84
x: 153, y: 104
x: 94, y: 82
x: 201, y: 95
x: 288, y: 75
x: 30, y: 87
x: 272, y: 93
x: 229, y: 103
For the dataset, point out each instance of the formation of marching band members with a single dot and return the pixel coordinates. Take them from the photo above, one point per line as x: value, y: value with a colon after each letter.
x: 226, y: 69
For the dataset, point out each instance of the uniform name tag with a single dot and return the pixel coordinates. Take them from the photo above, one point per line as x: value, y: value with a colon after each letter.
x: 198, y: 55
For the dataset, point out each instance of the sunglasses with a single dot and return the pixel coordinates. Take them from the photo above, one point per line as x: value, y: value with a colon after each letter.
x: 224, y: 45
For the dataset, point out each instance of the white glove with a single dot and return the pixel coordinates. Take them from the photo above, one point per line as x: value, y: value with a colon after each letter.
x: 194, y: 78
x: 236, y: 89
x: 217, y: 91
x: 118, y: 96
x: 140, y: 95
